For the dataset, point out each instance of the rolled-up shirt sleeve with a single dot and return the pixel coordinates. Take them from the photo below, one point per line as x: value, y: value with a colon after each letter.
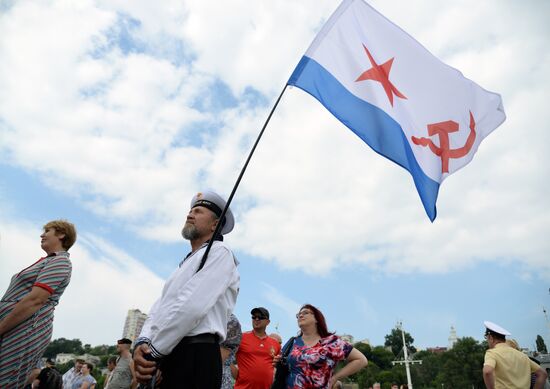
x: 183, y: 309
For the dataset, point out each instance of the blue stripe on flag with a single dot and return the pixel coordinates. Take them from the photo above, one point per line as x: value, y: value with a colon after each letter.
x: 374, y: 126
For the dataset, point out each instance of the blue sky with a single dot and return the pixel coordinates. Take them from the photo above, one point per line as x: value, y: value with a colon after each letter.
x: 113, y: 115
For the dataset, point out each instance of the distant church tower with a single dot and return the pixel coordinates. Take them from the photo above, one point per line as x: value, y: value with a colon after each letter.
x: 452, y: 338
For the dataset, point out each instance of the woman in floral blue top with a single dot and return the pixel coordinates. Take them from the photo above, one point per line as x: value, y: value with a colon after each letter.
x: 316, y: 351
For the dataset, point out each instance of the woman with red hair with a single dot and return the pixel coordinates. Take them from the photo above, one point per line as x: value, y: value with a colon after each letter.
x: 315, y: 352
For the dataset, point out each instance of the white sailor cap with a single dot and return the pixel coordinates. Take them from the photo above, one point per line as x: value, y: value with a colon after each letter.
x: 216, y: 204
x: 495, y: 328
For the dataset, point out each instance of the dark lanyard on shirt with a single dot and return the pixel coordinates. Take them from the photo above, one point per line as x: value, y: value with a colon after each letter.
x: 190, y: 254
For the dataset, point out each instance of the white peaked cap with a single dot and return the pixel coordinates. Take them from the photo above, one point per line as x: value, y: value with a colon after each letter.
x: 496, y: 328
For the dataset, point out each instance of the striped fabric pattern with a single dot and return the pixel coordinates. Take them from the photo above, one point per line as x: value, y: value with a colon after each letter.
x: 22, y: 346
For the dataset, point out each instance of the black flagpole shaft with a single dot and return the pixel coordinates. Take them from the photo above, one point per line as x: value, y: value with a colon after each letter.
x: 219, y: 226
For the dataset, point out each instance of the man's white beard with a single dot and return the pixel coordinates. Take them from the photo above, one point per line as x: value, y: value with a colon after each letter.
x: 189, y: 232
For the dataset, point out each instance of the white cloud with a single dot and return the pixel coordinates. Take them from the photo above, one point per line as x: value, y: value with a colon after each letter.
x: 281, y: 301
x: 115, y: 118
x: 258, y: 45
x: 315, y: 196
x: 105, y: 282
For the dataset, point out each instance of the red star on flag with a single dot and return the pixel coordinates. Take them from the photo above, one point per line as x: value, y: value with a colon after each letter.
x: 381, y: 74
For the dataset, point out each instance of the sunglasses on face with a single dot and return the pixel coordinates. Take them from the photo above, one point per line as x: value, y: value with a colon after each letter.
x: 303, y: 313
x: 258, y: 318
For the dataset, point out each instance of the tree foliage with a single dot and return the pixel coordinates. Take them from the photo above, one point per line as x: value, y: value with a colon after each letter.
x: 102, y: 350
x: 62, y: 345
x: 426, y: 374
x: 462, y: 365
x: 382, y: 357
x: 395, y: 341
x: 74, y: 346
x: 459, y: 367
x: 541, y: 346
x: 64, y: 367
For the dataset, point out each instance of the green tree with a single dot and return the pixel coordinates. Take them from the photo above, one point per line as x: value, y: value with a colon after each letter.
x: 395, y: 341
x: 424, y: 375
x: 364, y: 348
x: 386, y: 377
x: 103, y: 359
x: 399, y: 374
x: 100, y: 378
x: 378, y: 355
x: 382, y: 357
x: 64, y: 367
x: 367, y: 376
x: 102, y: 349
x: 462, y: 365
x: 63, y: 345
x: 541, y: 346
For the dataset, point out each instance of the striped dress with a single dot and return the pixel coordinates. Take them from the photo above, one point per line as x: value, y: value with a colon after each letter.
x: 22, y: 346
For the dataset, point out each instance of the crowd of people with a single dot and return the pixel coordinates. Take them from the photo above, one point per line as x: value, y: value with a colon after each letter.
x: 191, y: 339
x: 120, y: 371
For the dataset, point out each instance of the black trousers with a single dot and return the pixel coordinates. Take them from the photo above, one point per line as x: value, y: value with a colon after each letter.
x: 192, y: 366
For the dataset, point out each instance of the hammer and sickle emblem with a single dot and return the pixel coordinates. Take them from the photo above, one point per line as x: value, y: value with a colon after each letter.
x: 443, y: 129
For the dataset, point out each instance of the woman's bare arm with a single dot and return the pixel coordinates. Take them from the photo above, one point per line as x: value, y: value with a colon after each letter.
x: 24, y: 309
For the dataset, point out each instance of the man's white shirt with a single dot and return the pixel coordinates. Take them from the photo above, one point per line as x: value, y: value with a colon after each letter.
x: 192, y: 302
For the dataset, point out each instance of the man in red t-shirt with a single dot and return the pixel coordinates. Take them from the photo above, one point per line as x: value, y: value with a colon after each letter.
x: 255, y: 355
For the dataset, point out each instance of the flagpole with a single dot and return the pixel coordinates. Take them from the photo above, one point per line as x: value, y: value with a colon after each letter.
x: 219, y: 226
